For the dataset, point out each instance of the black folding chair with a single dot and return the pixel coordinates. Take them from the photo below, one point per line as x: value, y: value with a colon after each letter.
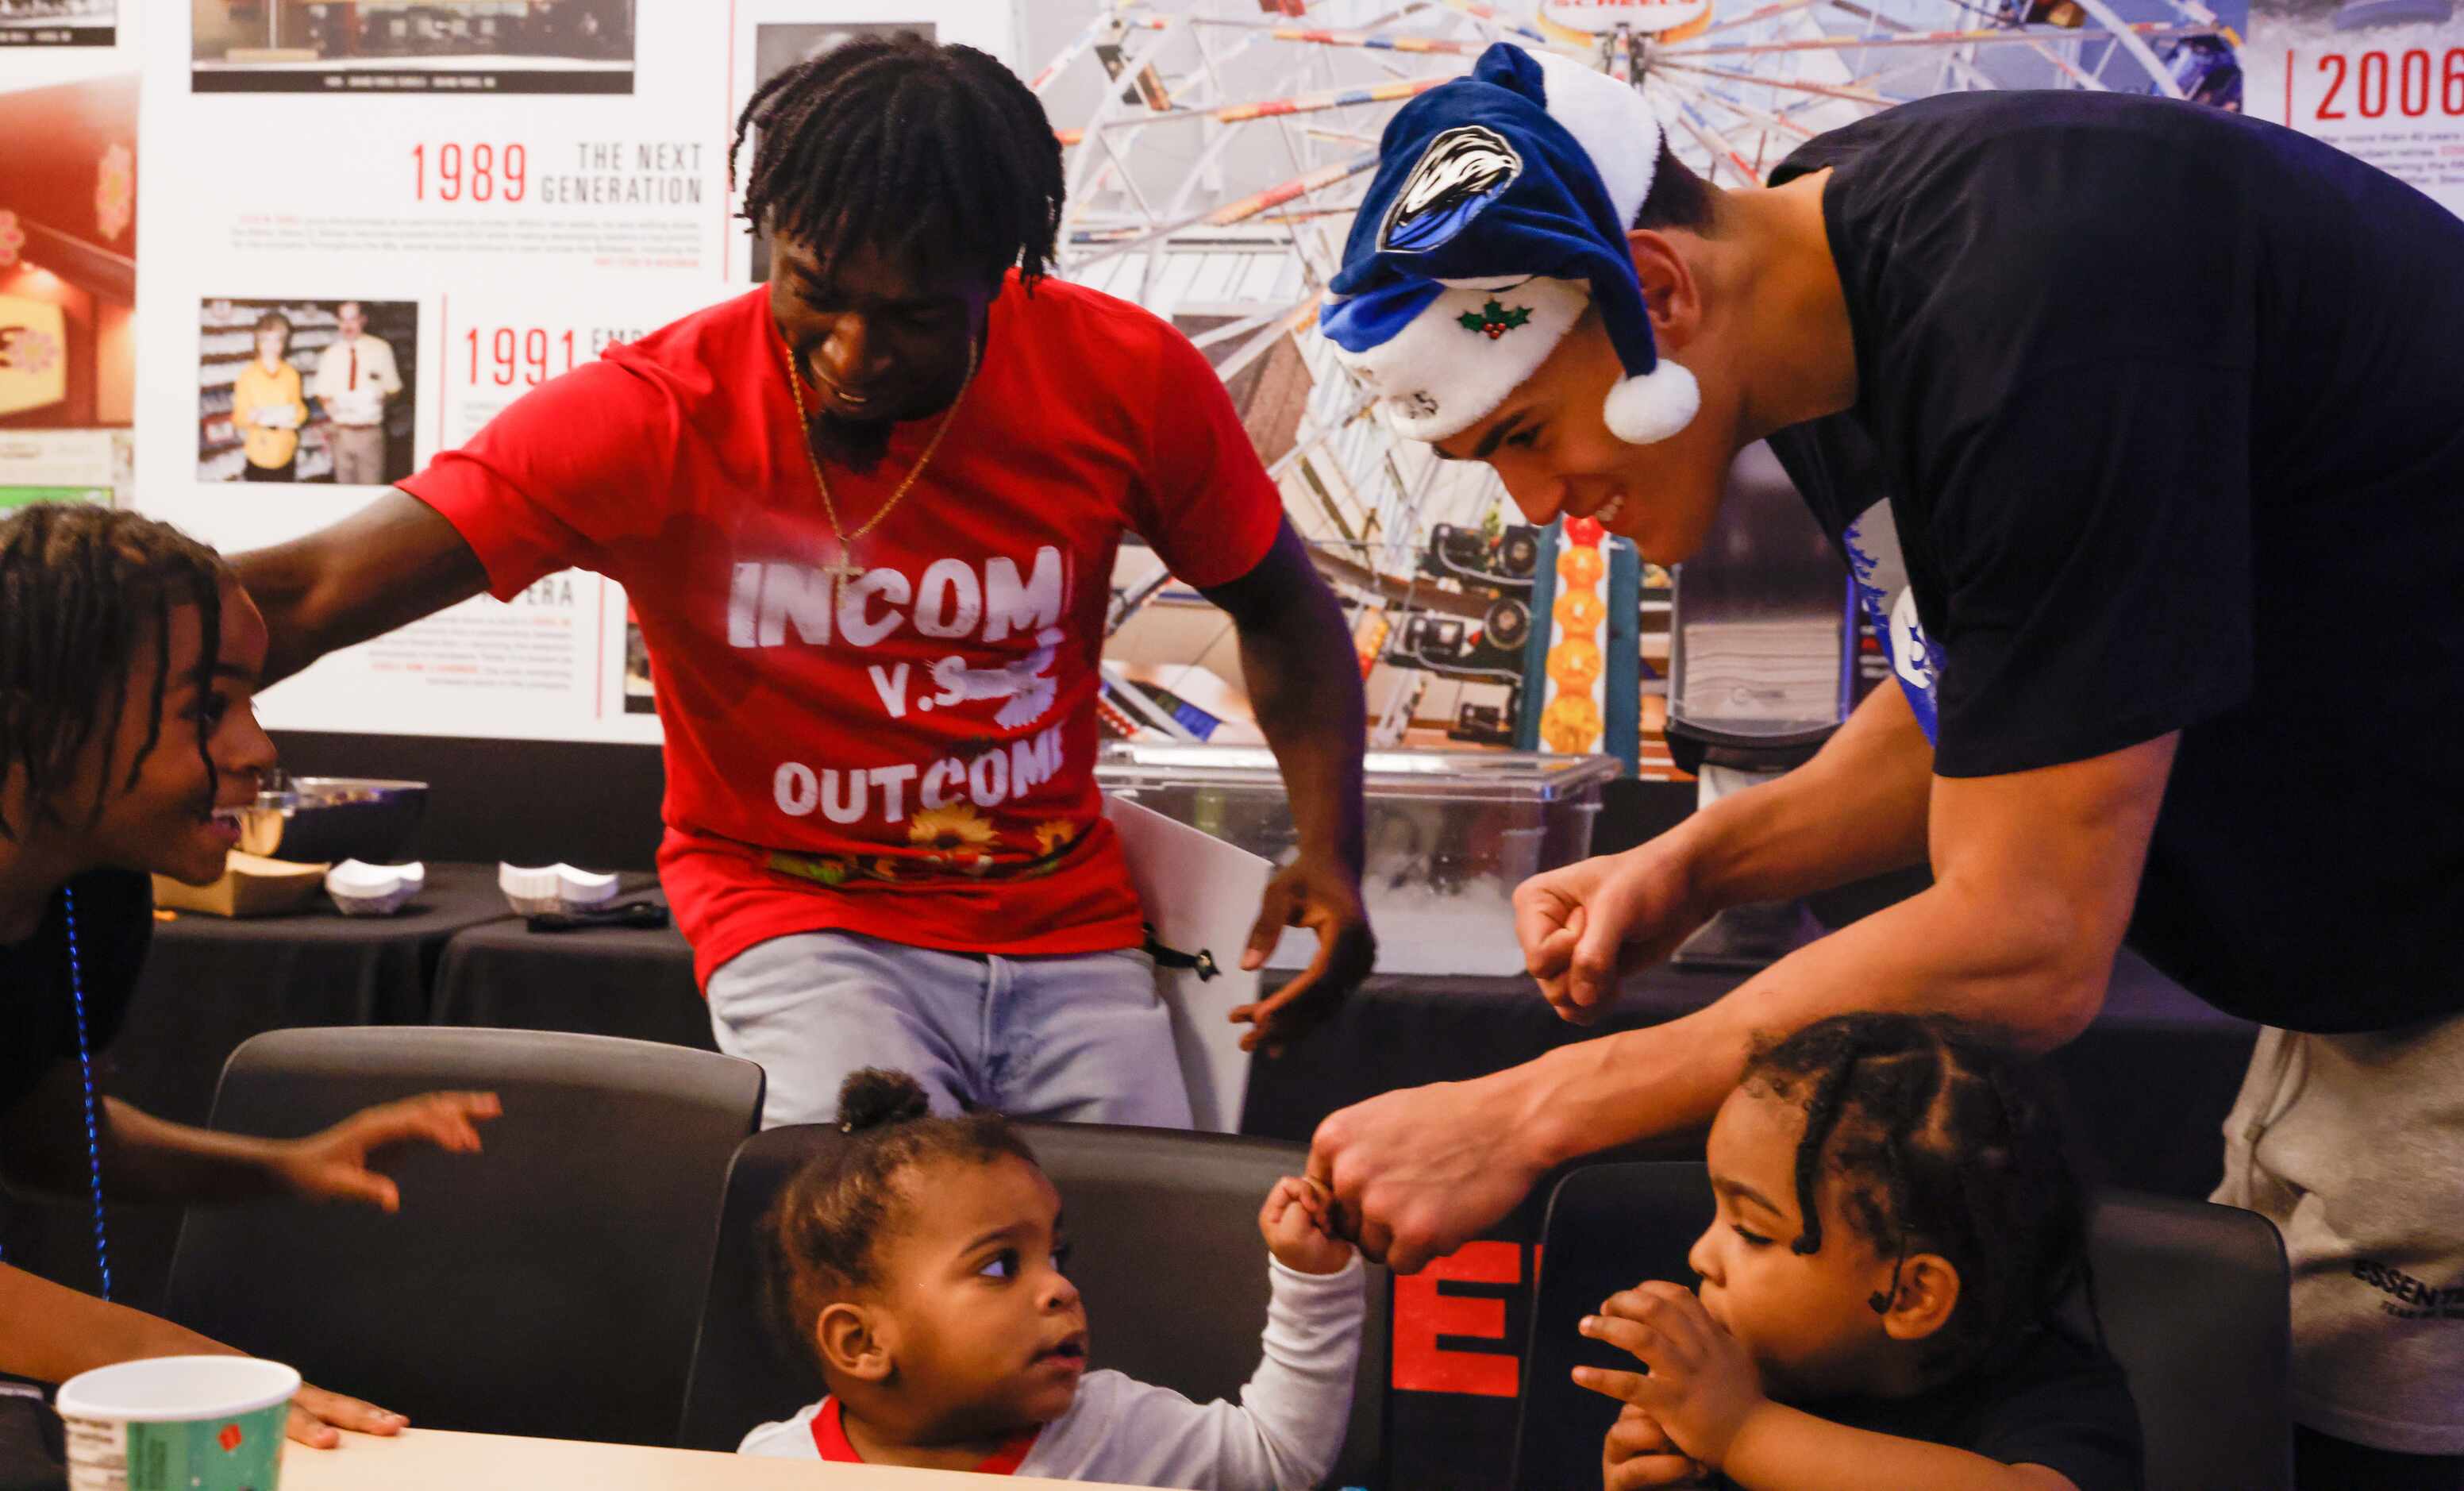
x: 2194, y: 1298
x: 549, y: 1286
x: 1163, y: 1228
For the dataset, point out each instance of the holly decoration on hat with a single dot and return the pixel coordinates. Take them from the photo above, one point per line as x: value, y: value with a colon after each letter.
x: 1494, y: 320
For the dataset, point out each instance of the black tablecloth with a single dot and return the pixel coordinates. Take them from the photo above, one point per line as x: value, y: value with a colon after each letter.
x: 2150, y: 1082
x: 209, y: 983
x: 603, y: 981
x: 212, y: 982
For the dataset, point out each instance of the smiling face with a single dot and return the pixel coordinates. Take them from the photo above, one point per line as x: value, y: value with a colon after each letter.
x: 879, y: 341
x: 271, y: 342
x: 985, y: 1335
x: 211, y: 754
x: 1549, y: 441
x: 1807, y: 1318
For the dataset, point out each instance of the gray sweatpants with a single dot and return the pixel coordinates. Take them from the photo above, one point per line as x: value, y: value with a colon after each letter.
x: 2354, y: 1147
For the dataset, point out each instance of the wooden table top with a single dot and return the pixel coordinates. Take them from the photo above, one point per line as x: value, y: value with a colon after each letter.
x: 424, y: 1460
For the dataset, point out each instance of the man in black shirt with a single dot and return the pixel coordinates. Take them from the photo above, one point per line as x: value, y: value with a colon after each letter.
x: 2141, y: 429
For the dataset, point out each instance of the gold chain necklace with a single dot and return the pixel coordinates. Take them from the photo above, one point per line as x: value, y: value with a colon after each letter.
x: 847, y: 568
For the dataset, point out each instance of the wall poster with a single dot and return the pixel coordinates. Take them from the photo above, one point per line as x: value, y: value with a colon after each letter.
x: 68, y: 254
x: 382, y: 222
x: 2383, y: 80
x: 374, y: 225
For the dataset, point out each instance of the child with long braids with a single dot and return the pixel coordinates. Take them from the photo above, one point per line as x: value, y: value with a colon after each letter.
x: 129, y: 657
x: 923, y: 1264
x: 1898, y: 1223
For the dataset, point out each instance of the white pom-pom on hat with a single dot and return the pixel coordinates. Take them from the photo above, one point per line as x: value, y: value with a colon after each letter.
x: 1649, y: 408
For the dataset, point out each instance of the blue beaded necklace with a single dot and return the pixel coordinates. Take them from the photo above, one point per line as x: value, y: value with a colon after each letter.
x: 85, y: 1068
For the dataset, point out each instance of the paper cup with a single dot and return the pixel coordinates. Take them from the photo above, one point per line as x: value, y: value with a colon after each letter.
x: 178, y: 1423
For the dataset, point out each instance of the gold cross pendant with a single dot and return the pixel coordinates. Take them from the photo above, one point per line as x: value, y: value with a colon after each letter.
x: 844, y: 570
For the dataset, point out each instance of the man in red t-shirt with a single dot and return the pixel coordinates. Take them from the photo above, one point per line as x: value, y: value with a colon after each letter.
x: 867, y: 516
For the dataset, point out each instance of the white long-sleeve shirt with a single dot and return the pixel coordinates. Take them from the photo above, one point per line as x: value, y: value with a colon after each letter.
x: 354, y: 378
x: 1283, y: 1436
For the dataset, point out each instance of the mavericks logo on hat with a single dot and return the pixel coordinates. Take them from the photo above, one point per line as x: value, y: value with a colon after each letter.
x: 1460, y: 172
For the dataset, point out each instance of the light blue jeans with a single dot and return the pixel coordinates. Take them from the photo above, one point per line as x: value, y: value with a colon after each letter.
x: 1082, y: 1038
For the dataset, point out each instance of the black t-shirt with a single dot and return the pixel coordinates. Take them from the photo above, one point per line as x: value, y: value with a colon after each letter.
x: 114, y: 915
x: 2059, y: 1403
x: 2160, y: 427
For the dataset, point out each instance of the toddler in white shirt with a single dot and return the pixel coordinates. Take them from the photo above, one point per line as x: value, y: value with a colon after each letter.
x: 925, y: 1266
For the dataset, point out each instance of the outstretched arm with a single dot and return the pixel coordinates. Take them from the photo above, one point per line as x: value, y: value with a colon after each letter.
x: 387, y: 565
x: 1286, y: 1430
x: 1858, y: 808
x: 55, y: 1333
x: 2035, y: 876
x: 146, y: 1159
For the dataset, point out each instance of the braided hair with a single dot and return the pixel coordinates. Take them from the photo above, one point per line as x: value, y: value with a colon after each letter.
x: 826, y: 1227
x: 84, y: 591
x: 1944, y: 1142
x: 933, y: 154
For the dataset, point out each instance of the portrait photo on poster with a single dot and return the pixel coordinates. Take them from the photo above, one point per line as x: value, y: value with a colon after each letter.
x: 399, y: 46
x: 778, y: 46
x: 68, y: 287
x: 641, y: 698
x: 59, y: 23
x: 306, y: 390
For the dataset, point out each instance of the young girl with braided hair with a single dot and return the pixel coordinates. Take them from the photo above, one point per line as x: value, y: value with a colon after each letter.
x: 924, y: 1265
x: 1898, y: 1225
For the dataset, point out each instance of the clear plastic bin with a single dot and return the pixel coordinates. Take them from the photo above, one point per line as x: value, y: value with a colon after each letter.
x: 1450, y: 835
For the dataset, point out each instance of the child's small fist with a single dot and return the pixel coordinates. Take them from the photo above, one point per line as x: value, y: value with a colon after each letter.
x: 1293, y: 1222
x: 1638, y: 1453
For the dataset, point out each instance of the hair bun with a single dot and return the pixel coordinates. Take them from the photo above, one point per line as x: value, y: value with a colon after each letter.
x: 876, y: 1097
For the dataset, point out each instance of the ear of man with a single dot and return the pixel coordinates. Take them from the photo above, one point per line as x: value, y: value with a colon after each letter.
x: 1670, y: 288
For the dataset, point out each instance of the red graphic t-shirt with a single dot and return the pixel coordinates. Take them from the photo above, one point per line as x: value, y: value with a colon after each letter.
x: 909, y: 753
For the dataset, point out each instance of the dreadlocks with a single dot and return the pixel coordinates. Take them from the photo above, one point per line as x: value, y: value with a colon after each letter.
x: 83, y: 592
x: 923, y: 151
x: 1946, y: 1143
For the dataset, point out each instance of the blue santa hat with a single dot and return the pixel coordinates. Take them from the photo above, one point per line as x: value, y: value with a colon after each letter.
x: 1498, y: 212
